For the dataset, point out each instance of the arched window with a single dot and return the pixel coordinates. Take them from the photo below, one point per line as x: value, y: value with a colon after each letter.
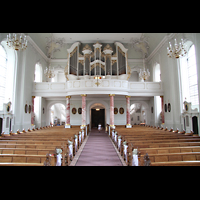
x: 38, y: 73
x: 189, y: 79
x: 157, y: 73
x: 3, y: 70
x: 58, y: 114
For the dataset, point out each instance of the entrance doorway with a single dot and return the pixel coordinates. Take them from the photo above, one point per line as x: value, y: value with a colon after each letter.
x: 1, y: 125
x: 98, y: 117
x: 195, y: 124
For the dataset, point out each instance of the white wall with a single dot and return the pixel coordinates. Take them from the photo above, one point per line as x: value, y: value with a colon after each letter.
x: 25, y: 67
x: 170, y: 78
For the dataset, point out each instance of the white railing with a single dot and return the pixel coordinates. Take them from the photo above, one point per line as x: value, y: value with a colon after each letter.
x: 102, y: 86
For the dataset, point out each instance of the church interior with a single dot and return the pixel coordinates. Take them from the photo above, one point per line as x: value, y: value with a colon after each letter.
x: 119, y: 99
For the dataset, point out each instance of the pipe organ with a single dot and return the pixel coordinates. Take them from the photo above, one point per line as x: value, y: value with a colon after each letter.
x: 99, y: 60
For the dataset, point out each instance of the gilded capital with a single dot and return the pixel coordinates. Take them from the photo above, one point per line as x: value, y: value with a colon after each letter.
x: 68, y: 97
x: 127, y: 96
x: 83, y: 95
x: 110, y: 95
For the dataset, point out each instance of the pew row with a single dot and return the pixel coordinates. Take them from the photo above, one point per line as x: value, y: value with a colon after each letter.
x: 45, y: 146
x: 156, y: 146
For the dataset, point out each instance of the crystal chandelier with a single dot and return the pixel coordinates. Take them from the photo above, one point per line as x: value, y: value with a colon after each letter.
x: 177, y: 51
x: 49, y: 73
x: 16, y: 42
x: 144, y: 75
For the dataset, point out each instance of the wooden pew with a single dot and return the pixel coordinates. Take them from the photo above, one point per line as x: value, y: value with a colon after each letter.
x: 167, y: 145
x: 32, y: 145
x: 22, y: 158
x: 176, y: 163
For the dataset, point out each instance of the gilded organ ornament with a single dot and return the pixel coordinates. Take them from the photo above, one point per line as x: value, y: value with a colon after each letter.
x: 102, y: 60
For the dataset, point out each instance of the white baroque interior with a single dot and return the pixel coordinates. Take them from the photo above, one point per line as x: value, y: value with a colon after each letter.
x: 97, y: 68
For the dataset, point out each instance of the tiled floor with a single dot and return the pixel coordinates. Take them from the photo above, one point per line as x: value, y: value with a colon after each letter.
x: 98, y: 151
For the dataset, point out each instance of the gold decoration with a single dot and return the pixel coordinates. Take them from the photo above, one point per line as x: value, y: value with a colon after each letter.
x: 107, y: 47
x: 87, y: 47
x: 108, y: 56
x: 115, y: 55
x: 114, y: 61
x: 97, y: 83
x: 74, y: 51
x: 81, y: 61
x: 119, y: 49
x: 80, y: 55
x: 86, y: 56
x: 129, y: 72
x: 95, y: 65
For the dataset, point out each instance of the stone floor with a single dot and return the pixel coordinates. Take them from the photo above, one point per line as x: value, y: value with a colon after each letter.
x: 98, y: 151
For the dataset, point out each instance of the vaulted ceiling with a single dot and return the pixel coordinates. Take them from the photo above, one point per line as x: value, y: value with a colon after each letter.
x: 153, y: 39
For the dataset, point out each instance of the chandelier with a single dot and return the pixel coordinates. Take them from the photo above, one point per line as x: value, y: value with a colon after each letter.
x: 49, y: 73
x: 177, y: 51
x: 143, y: 74
x: 16, y: 42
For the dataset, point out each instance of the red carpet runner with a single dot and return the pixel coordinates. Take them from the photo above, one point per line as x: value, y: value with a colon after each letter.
x: 98, y: 151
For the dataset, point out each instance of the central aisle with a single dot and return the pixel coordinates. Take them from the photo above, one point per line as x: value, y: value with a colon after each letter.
x: 98, y: 151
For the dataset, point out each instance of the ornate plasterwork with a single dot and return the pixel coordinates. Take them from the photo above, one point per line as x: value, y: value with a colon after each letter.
x: 136, y: 68
x: 53, y: 45
x: 87, y: 47
x: 107, y: 47
x: 141, y: 44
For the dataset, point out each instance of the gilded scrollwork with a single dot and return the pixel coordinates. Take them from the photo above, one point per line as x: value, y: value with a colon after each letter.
x: 129, y: 72
x: 87, y: 47
x: 74, y: 51
x: 123, y: 53
x: 107, y: 47
x: 115, y: 55
x: 80, y: 55
x: 98, y: 59
x: 81, y: 61
x: 114, y: 61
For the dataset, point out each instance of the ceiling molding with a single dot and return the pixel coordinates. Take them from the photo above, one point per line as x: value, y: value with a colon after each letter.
x: 60, y: 60
x: 132, y: 61
x: 163, y: 41
x: 37, y: 48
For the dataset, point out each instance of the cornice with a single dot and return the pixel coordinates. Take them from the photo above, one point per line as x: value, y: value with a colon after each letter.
x: 60, y: 60
x: 37, y: 48
x: 163, y: 41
